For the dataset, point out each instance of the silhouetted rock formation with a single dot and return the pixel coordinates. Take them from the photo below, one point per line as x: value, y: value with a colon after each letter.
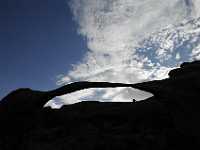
x: 167, y: 121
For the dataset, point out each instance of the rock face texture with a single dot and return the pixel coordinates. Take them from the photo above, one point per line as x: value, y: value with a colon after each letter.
x: 169, y: 120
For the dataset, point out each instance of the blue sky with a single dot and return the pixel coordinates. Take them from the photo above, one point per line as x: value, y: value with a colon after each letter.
x: 127, y: 41
x: 38, y: 41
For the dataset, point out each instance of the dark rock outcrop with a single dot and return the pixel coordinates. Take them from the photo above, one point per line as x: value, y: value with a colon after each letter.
x: 167, y: 121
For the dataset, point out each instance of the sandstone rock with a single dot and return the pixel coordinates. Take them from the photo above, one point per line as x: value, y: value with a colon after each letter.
x: 168, y: 120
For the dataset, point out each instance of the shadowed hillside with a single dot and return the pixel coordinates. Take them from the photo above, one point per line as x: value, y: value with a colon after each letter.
x: 170, y: 120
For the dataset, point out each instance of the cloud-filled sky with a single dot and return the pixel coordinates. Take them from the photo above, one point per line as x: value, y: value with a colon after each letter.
x: 117, y: 32
x: 48, y: 44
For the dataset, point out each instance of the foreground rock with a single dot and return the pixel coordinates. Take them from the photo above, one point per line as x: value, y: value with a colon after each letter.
x: 168, y: 120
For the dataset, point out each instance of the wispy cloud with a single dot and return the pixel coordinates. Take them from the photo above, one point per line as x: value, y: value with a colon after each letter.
x: 114, y: 29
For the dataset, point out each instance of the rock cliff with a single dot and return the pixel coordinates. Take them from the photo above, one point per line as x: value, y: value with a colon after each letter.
x: 168, y: 120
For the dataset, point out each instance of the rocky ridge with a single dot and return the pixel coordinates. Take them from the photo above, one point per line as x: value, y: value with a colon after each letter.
x: 168, y: 120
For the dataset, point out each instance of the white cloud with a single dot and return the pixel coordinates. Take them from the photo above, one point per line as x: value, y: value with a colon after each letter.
x: 196, y: 52
x: 113, y: 29
x: 178, y: 57
x: 196, y: 5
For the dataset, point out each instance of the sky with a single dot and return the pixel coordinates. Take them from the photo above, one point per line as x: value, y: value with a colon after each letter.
x: 38, y: 42
x: 46, y: 44
x: 131, y: 41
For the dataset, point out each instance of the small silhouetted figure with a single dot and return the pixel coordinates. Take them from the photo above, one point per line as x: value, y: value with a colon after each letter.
x: 134, y: 101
